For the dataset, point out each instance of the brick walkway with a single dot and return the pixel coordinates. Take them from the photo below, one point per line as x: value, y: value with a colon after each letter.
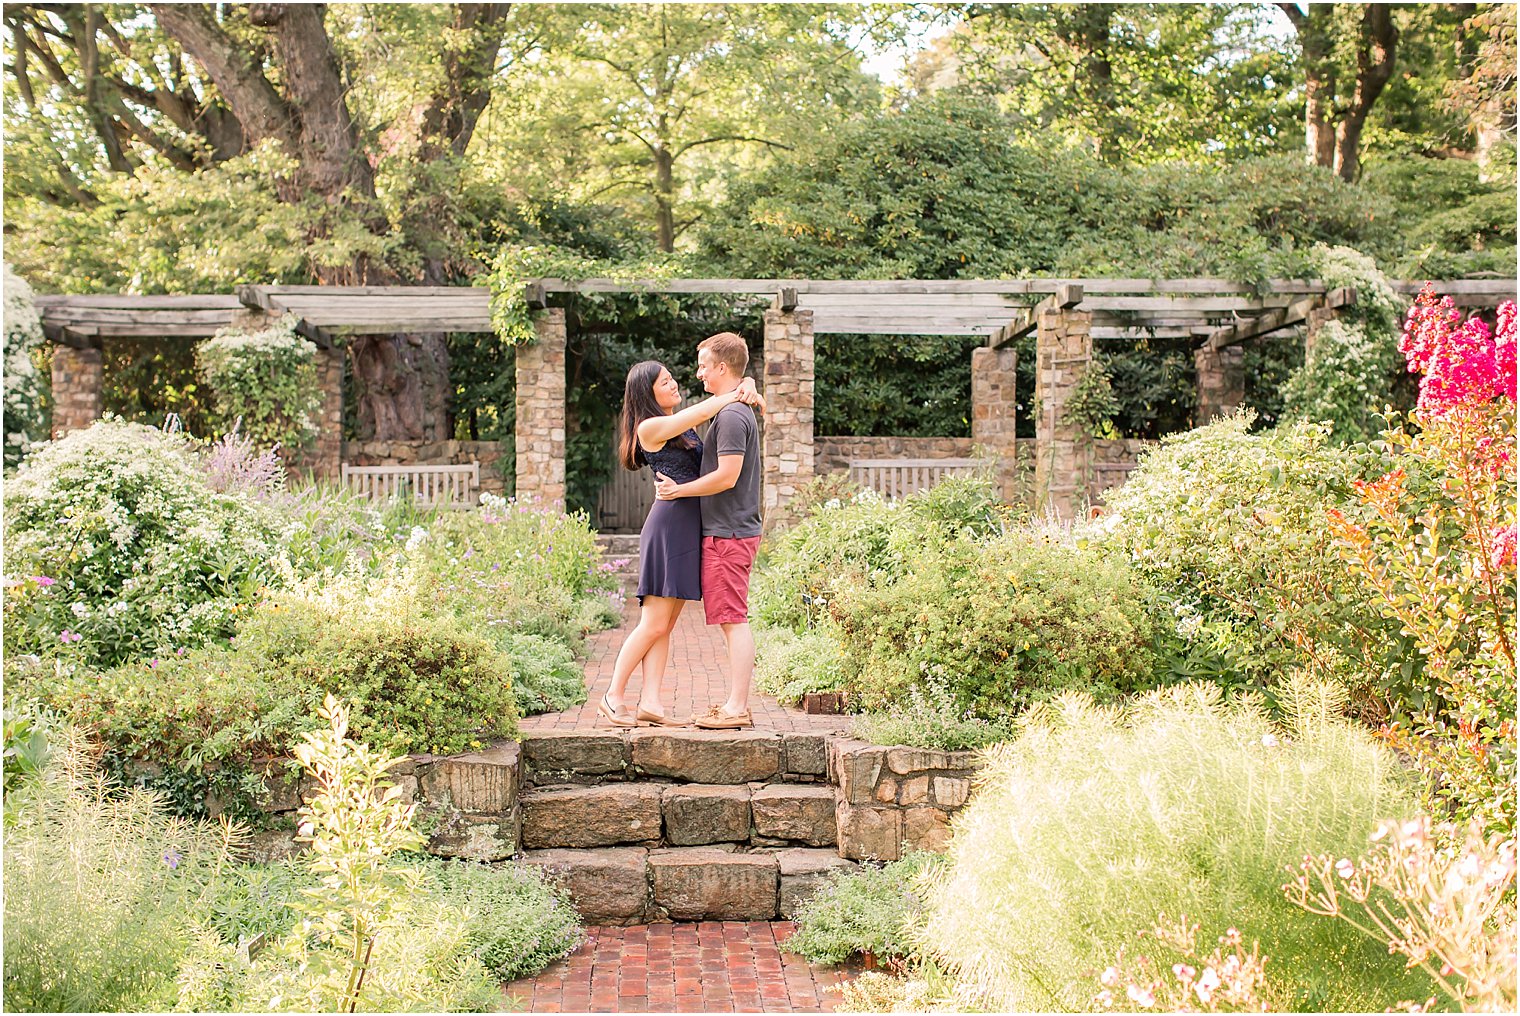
x: 696, y: 678
x: 730, y: 966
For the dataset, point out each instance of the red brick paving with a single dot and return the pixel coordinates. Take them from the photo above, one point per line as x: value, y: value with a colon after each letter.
x: 696, y: 678
x: 728, y: 966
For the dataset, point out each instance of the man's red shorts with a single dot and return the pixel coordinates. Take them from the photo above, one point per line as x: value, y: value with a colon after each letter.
x: 726, y: 563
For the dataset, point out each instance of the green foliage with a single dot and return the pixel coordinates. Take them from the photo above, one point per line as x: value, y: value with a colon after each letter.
x: 128, y: 550
x: 1000, y: 623
x: 1229, y: 528
x: 367, y: 934
x: 546, y: 676
x: 264, y: 384
x: 100, y: 890
x: 24, y: 421
x: 929, y: 717
x: 1095, y: 820
x: 1347, y: 377
x: 1091, y: 405
x: 518, y: 922
x: 29, y: 735
x: 869, y: 910
x: 415, y: 682
x: 788, y: 665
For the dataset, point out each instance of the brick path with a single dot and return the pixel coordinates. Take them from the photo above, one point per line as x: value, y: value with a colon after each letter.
x: 696, y: 678
x: 728, y: 966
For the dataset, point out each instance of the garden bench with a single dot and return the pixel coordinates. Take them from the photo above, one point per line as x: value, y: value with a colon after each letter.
x: 452, y: 486
x: 895, y: 478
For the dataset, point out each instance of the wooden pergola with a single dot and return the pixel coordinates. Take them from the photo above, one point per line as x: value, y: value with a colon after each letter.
x: 1215, y: 317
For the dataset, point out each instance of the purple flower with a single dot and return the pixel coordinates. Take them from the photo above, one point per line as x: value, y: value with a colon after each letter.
x: 43, y: 580
x: 172, y: 857
x: 66, y: 636
x: 153, y: 664
x: 496, y: 567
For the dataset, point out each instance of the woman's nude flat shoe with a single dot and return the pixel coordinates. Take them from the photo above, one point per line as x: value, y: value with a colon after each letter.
x: 656, y: 720
x: 612, y: 716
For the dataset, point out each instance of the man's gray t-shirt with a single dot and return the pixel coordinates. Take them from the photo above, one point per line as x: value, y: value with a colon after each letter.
x: 734, y: 512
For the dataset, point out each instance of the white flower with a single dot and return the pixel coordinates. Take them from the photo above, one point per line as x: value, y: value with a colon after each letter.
x: 1268, y: 741
x: 1206, y: 985
x: 418, y: 538
x: 1344, y: 868
x: 1140, y: 996
x: 79, y: 609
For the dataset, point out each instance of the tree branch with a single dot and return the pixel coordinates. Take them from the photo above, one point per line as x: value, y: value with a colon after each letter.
x: 235, y: 71
x: 729, y: 137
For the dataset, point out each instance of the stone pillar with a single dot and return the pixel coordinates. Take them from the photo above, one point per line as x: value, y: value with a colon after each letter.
x: 78, y: 399
x: 1319, y: 317
x: 994, y: 412
x: 540, y: 429
x: 325, y: 457
x: 1063, y: 453
x: 1221, y: 381
x: 787, y: 434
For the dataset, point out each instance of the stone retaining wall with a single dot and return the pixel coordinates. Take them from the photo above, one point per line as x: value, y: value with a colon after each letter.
x: 833, y: 454
x: 888, y: 796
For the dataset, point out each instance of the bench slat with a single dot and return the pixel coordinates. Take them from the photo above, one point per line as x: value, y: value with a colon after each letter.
x: 454, y: 486
x: 897, y: 478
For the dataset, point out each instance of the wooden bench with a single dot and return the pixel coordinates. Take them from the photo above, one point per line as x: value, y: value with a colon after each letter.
x: 897, y: 478
x: 428, y: 486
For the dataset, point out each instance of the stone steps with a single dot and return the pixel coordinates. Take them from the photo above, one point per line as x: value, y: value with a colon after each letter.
x: 637, y: 885
x: 690, y: 756
x: 646, y: 813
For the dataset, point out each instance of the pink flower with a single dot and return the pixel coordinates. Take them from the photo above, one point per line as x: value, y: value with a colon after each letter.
x: 66, y: 636
x: 1140, y: 996
x: 1502, y: 556
x: 1504, y: 349
x: 43, y: 580
x: 1462, y: 361
x: 1344, y: 868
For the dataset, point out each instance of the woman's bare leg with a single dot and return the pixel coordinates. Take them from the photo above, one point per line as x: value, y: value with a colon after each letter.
x: 653, y: 625
x: 655, y: 659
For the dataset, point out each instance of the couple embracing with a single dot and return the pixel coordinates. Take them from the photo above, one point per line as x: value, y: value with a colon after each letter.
x: 702, y: 532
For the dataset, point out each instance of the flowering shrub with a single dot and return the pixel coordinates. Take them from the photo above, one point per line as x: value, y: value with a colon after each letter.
x: 264, y: 383
x: 117, y: 549
x: 23, y: 383
x: 1096, y: 819
x: 788, y: 665
x: 1348, y: 373
x: 1228, y: 527
x: 1433, y: 546
x: 1451, y: 913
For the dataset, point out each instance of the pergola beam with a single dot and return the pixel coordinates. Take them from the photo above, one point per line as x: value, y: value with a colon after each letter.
x: 1294, y: 314
x: 1068, y: 295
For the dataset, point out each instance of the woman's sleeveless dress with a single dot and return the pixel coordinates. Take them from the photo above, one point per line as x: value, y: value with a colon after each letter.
x: 670, y: 545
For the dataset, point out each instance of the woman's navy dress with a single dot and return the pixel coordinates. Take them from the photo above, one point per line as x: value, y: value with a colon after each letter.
x: 670, y: 545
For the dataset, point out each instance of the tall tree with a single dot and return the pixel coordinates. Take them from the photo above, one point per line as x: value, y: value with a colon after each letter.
x: 1484, y: 89
x: 1348, y: 58
x: 1135, y: 83
x: 656, y: 105
x: 190, y: 85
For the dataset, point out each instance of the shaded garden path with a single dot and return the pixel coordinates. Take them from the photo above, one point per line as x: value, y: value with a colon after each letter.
x: 728, y: 966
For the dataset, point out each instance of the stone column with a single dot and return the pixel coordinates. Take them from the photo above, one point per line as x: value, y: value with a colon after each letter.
x: 787, y: 429
x: 78, y: 399
x: 994, y: 412
x: 1319, y: 317
x: 540, y: 428
x: 1063, y: 453
x: 325, y: 457
x: 1221, y: 381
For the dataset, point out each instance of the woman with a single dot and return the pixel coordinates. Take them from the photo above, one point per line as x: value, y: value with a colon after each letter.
x: 652, y: 433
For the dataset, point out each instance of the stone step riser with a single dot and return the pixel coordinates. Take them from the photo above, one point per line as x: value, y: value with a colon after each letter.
x: 633, y: 885
x: 687, y: 755
x: 678, y: 815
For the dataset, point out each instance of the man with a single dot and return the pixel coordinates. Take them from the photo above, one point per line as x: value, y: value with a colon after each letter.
x: 729, y: 486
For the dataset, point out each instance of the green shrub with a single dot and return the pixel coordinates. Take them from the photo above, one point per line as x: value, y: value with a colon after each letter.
x: 1096, y: 820
x: 864, y: 540
x: 24, y: 418
x: 868, y: 910
x: 517, y: 922
x: 928, y: 717
x: 1000, y: 623
x: 29, y: 735
x: 788, y: 665
x: 130, y: 553
x: 100, y: 891
x: 264, y: 383
x: 1230, y: 528
x: 546, y: 676
x: 416, y: 683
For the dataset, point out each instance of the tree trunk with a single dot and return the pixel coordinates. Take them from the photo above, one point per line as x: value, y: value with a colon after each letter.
x: 1313, y: 27
x: 664, y: 199
x: 1095, y: 74
x: 401, y: 384
x: 1376, y: 44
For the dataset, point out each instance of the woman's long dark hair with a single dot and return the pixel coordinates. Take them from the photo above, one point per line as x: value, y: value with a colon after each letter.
x: 639, y: 405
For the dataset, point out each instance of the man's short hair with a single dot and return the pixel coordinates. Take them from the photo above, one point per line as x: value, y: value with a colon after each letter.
x: 726, y: 347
